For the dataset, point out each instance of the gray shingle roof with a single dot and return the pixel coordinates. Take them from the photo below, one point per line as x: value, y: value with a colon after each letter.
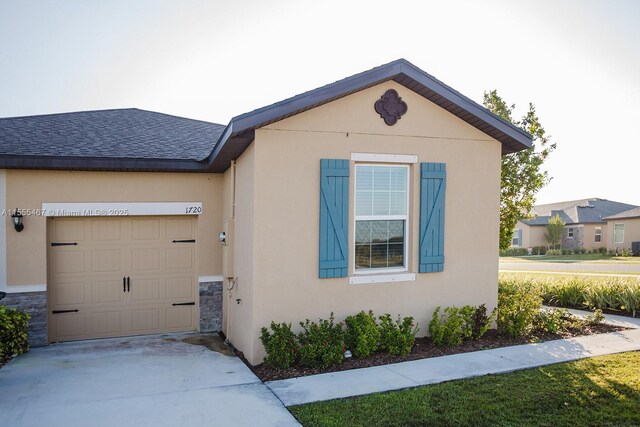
x: 631, y: 213
x: 584, y: 211
x: 125, y: 133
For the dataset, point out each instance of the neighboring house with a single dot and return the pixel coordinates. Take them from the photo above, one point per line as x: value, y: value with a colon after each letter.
x: 585, y: 223
x: 623, y: 230
x: 379, y: 191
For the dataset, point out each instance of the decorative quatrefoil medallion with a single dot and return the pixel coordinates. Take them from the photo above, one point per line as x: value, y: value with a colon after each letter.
x: 390, y: 107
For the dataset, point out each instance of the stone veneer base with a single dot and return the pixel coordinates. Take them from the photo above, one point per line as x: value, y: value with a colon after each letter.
x: 34, y: 303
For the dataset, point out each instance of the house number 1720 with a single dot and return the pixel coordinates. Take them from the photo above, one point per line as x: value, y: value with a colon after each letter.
x: 193, y: 209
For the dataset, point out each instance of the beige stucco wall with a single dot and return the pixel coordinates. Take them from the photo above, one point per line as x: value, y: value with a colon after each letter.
x: 28, y: 189
x: 589, y: 236
x: 631, y: 233
x: 282, y: 220
x: 532, y: 235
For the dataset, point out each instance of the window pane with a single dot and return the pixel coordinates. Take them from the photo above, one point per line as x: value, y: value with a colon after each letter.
x: 363, y: 232
x: 363, y: 256
x: 398, y: 203
x: 365, y: 178
x: 381, y: 178
x: 618, y: 233
x: 364, y: 203
x: 379, y: 244
x: 381, y: 203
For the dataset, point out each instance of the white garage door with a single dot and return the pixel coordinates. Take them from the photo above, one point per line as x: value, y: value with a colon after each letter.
x: 121, y: 276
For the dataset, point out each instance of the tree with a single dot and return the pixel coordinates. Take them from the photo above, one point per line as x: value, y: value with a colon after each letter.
x: 521, y: 175
x: 554, y: 231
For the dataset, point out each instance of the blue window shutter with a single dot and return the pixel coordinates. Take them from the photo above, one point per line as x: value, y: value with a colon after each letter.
x: 520, y: 237
x: 433, y: 180
x: 334, y: 218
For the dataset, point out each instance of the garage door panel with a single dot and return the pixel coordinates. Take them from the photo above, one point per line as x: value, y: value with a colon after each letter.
x: 68, y: 293
x: 180, y: 318
x: 145, y: 290
x: 106, y: 260
x: 145, y: 320
x: 68, y: 231
x: 92, y: 277
x: 145, y: 229
x: 107, y: 323
x: 180, y: 258
x: 180, y: 228
x: 69, y: 326
x: 106, y: 230
x: 180, y: 287
x: 107, y: 291
x: 145, y: 259
x: 69, y: 261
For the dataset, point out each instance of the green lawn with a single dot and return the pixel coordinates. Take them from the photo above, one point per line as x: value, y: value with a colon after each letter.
x: 601, y: 258
x: 598, y: 391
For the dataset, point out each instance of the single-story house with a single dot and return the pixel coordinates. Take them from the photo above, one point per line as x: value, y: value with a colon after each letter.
x: 623, y: 230
x: 585, y: 223
x: 379, y: 191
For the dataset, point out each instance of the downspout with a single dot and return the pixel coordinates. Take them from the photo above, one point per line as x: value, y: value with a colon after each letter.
x: 231, y: 280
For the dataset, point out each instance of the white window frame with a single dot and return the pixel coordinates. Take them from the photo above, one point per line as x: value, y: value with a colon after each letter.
x: 356, y: 218
x: 570, y: 232
x: 597, y: 233
x: 614, y: 233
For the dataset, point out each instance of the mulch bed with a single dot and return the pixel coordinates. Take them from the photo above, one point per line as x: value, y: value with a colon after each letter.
x: 423, y: 349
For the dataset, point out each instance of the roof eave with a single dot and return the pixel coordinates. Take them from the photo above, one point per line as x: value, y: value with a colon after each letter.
x: 101, y: 164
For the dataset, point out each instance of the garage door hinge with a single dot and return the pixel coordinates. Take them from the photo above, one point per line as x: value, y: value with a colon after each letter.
x: 184, y: 303
x: 184, y: 241
x: 64, y: 244
x: 64, y: 311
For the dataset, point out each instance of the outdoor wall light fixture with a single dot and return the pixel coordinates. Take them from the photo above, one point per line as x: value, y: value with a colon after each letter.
x: 222, y: 237
x: 17, y: 221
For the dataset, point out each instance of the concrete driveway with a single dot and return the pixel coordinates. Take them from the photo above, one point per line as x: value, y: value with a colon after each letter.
x: 143, y: 381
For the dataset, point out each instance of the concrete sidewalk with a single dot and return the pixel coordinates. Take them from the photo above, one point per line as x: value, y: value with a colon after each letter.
x: 415, y: 373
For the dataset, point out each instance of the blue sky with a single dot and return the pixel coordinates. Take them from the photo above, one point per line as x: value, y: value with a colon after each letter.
x: 577, y: 61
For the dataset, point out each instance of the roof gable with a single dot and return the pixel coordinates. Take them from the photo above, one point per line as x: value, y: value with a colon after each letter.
x: 584, y: 211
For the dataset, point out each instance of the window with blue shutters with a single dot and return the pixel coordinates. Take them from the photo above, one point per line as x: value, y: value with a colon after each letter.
x: 334, y: 218
x: 433, y: 183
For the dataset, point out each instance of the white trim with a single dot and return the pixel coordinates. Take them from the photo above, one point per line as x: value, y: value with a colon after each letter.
x: 384, y: 158
x: 16, y: 289
x: 120, y: 209
x: 4, y: 220
x: 205, y: 279
x: 385, y: 278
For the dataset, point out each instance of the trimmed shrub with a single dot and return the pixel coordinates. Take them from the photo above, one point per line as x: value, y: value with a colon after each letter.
x: 553, y: 320
x: 397, y: 338
x: 280, y: 344
x: 13, y: 332
x: 458, y: 324
x: 595, y: 318
x: 518, y: 304
x: 363, y: 335
x: 480, y: 321
x: 448, y: 328
x: 554, y: 252
x: 322, y: 343
x: 515, y: 252
x: 603, y: 251
x: 539, y: 250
